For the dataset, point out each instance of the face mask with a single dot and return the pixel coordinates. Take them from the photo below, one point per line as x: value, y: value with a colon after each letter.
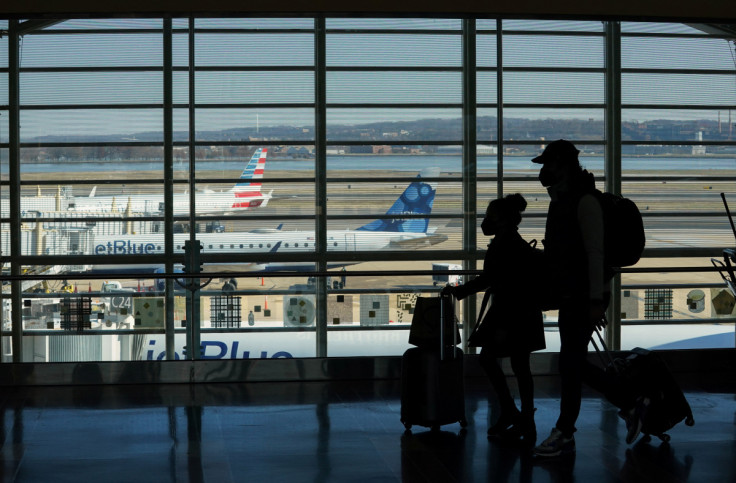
x: 547, y: 177
x: 488, y: 227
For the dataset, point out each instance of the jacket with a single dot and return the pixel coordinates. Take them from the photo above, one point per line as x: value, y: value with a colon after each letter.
x: 512, y: 322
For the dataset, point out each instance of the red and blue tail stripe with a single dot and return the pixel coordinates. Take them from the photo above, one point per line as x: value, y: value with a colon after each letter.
x: 247, y: 188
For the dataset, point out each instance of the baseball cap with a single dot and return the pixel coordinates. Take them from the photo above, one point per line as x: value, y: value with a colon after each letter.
x: 560, y: 149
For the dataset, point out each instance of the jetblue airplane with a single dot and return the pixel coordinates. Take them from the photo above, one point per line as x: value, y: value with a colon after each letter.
x: 393, y: 232
x: 244, y: 195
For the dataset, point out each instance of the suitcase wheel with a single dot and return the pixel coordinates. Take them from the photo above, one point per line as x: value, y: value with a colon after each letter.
x: 646, y: 438
x: 690, y: 421
x: 406, y: 425
x: 664, y: 437
x: 463, y: 423
x: 435, y: 428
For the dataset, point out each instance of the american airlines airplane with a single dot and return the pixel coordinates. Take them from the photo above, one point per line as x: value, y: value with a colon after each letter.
x: 392, y: 232
x: 244, y: 195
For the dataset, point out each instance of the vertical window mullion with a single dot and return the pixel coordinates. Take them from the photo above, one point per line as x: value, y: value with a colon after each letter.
x: 14, y: 191
x: 470, y: 161
x: 320, y: 172
x: 613, y: 160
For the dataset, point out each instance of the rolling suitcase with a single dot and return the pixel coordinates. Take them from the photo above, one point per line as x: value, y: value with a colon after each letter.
x: 432, y: 379
x: 650, y: 381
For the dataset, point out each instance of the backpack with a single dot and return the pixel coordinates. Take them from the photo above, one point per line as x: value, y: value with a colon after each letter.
x: 623, y: 231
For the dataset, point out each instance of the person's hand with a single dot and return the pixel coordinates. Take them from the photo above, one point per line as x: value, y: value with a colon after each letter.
x: 597, y: 316
x: 448, y: 290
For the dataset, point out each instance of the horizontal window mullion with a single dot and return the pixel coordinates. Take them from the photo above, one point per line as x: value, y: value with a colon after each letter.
x: 394, y: 31
x: 678, y: 214
x: 92, y: 144
x: 536, y: 142
x: 47, y: 107
x: 246, y: 217
x: 250, y: 105
x: 413, y: 105
x: 551, y: 33
x: 390, y: 179
x: 387, y: 68
x: 396, y: 143
x: 543, y: 106
x: 693, y: 107
x: 203, y: 165
x: 641, y: 70
x: 676, y: 178
x: 552, y: 69
x: 374, y: 216
x: 51, y: 70
x: 675, y: 142
x: 205, y: 31
x: 105, y: 181
x: 250, y: 68
x: 673, y: 35
x: 53, y: 32
x: 270, y: 142
x: 97, y: 219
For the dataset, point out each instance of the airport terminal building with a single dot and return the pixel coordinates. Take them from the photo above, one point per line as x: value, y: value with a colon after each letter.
x: 216, y: 221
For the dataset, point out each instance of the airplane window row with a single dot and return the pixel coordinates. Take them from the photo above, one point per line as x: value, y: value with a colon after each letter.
x: 242, y: 245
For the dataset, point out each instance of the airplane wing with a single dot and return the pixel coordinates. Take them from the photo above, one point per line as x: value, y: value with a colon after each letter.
x: 425, y: 241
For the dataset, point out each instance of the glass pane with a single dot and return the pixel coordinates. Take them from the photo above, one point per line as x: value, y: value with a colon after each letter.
x: 91, y: 88
x: 487, y: 88
x: 676, y: 53
x: 108, y: 23
x: 545, y: 124
x: 88, y: 125
x: 220, y: 49
x: 678, y: 89
x: 659, y: 28
x: 486, y: 50
x: 393, y: 125
x: 92, y: 50
x: 554, y: 87
x: 394, y: 50
x: 553, y: 51
x: 254, y: 87
x: 4, y: 97
x: 254, y: 23
x: 553, y: 25
x: 68, y: 164
x: 394, y: 23
x: 394, y: 87
x: 252, y: 124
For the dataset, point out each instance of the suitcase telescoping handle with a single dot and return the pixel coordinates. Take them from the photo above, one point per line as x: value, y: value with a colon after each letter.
x: 444, y: 298
x: 603, y: 350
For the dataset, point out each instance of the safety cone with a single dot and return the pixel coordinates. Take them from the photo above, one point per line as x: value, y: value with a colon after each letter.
x: 265, y: 303
x: 90, y: 287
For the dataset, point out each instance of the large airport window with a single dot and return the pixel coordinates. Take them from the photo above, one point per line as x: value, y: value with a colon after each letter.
x: 367, y: 147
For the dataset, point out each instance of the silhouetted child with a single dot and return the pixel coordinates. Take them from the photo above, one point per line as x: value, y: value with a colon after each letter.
x: 510, y: 323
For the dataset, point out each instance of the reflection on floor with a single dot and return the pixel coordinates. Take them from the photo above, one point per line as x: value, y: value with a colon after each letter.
x: 341, y: 431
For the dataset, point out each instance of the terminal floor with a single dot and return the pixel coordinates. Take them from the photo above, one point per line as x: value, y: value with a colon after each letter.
x: 336, y: 432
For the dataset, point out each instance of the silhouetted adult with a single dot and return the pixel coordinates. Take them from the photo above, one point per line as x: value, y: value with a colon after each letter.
x: 574, y: 254
x: 510, y: 325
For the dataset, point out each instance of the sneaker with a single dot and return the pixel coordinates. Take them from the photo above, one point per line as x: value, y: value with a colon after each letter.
x: 506, y: 420
x: 556, y: 444
x: 635, y: 419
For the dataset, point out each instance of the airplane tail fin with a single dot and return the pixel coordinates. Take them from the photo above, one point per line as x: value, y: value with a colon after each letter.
x: 253, y: 171
x: 417, y: 199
